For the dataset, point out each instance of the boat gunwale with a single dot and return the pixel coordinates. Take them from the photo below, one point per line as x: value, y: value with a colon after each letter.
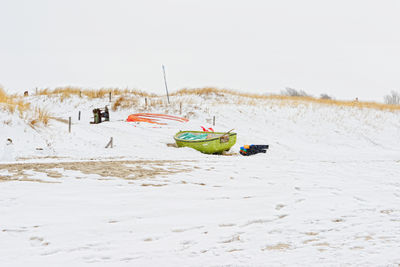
x: 199, y: 141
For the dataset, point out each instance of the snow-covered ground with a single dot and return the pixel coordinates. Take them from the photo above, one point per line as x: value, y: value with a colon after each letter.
x: 326, y: 193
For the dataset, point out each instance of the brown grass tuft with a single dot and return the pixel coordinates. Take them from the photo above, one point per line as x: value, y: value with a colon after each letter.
x: 156, y: 103
x: 125, y: 102
x: 23, y: 106
x: 43, y: 92
x: 3, y: 96
x: 117, y: 103
x: 40, y: 115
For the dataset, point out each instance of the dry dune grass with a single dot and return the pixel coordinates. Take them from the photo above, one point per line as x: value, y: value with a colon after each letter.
x: 255, y: 99
x: 202, y: 91
x: 157, y: 102
x: 129, y: 98
x: 216, y: 91
x: 66, y: 92
x: 40, y: 115
x: 342, y: 103
x: 6, y: 100
x: 13, y: 103
x: 3, y: 96
x: 125, y: 102
x: 23, y: 107
x: 130, y: 102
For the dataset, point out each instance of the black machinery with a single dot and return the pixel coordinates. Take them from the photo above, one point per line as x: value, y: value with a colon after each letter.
x: 99, y: 113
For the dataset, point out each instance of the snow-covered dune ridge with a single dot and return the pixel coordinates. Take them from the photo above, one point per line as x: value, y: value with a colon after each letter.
x: 325, y: 193
x: 291, y: 124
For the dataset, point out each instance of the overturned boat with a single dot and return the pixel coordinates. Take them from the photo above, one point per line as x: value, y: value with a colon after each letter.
x: 206, y: 142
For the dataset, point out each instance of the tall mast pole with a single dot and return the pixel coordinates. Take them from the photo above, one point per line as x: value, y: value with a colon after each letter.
x: 165, y: 81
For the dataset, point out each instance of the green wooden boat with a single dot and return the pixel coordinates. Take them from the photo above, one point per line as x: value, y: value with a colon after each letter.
x: 206, y: 142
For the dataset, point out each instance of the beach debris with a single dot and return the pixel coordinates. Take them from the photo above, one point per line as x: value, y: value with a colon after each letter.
x: 8, y: 151
x: 248, y: 150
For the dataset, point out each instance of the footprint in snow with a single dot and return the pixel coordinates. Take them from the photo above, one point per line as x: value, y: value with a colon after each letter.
x: 186, y: 229
x: 226, y: 224
x: 38, y: 241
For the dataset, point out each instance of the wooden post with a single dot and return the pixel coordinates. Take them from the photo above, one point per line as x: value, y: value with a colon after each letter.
x: 79, y: 115
x: 110, y: 96
x: 80, y: 93
x: 180, y: 108
x: 145, y: 101
x: 213, y: 120
x: 69, y: 124
x: 110, y: 143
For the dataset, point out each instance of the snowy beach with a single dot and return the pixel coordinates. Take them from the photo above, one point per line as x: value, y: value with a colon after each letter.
x: 327, y: 192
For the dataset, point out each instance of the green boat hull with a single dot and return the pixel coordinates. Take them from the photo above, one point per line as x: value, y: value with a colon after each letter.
x: 215, y: 145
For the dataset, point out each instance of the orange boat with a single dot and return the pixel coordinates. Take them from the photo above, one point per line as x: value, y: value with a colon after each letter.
x: 154, y: 118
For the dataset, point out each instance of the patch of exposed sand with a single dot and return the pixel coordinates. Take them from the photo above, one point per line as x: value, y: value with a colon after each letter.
x: 279, y: 246
x: 131, y: 170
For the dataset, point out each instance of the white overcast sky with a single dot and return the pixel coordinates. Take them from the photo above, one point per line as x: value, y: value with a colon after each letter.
x: 345, y: 48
